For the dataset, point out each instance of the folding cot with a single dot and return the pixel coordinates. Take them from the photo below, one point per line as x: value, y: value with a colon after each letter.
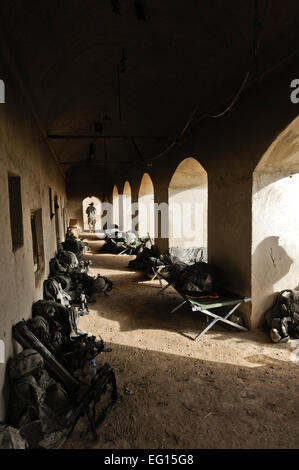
x: 204, y: 304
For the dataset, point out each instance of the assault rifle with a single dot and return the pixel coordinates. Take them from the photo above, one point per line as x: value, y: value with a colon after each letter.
x: 80, y: 404
x: 104, y: 376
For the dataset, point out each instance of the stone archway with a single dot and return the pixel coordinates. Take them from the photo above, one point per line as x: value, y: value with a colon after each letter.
x: 275, y: 221
x: 115, y: 202
x: 146, y: 207
x: 127, y: 207
x: 188, y: 205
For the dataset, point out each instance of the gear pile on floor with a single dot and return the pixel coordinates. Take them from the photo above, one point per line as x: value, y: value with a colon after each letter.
x: 69, y: 281
x: 197, y: 279
x: 118, y: 242
x: 282, y: 319
x: 54, y: 380
x: 148, y: 257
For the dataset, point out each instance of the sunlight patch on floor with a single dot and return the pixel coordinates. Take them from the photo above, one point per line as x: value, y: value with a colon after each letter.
x: 212, y: 347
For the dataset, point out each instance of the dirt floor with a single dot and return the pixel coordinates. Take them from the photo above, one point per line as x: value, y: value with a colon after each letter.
x: 229, y: 390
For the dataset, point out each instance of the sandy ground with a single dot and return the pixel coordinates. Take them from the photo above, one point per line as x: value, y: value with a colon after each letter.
x: 229, y: 390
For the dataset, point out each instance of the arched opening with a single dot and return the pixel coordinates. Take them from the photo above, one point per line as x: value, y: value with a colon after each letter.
x: 127, y: 207
x: 188, y: 205
x: 275, y: 221
x: 98, y: 207
x: 115, y: 202
x: 146, y: 207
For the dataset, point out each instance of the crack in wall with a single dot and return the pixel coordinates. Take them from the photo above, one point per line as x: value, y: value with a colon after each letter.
x: 272, y: 259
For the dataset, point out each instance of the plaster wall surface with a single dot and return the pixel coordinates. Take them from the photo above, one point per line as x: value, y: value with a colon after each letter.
x: 23, y: 153
x: 74, y: 210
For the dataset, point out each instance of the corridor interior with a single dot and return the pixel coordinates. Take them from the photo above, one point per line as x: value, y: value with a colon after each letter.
x: 179, y: 122
x: 229, y: 390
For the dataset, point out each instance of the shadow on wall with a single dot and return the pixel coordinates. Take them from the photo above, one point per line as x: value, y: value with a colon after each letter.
x: 271, y: 264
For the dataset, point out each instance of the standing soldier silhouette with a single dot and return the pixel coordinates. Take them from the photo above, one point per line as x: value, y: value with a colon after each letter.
x: 91, y: 214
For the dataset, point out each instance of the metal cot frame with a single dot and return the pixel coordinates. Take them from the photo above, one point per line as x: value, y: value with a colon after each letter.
x: 204, y: 305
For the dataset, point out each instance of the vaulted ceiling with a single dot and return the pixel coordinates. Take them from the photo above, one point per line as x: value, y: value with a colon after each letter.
x: 182, y: 54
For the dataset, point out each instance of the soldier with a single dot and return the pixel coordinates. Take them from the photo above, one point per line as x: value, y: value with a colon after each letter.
x: 91, y: 214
